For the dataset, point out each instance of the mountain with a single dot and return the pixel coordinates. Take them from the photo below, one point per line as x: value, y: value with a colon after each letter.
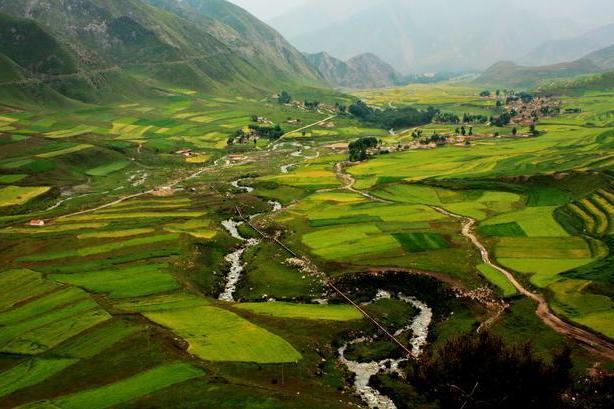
x: 509, y: 74
x: 244, y: 33
x: 603, y: 58
x: 360, y: 72
x: 579, y: 85
x: 417, y: 36
x: 107, y: 49
x: 570, y: 49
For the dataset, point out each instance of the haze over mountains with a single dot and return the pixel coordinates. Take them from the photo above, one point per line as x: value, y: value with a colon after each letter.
x: 438, y: 35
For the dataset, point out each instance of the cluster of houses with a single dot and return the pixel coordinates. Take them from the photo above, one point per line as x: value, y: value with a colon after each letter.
x: 527, y: 113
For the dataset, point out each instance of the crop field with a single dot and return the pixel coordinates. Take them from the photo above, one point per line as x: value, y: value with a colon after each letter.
x: 17, y: 195
x: 215, y: 334
x: 114, y: 252
x: 308, y: 311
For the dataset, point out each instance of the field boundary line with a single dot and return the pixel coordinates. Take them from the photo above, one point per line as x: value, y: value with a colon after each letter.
x: 326, y: 281
x: 590, y: 340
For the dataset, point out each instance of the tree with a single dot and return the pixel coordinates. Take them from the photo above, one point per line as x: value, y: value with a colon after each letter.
x: 481, y: 371
x: 533, y: 130
x: 463, y: 131
x: 284, y: 98
x: 358, y: 149
x: 360, y: 109
x: 485, y: 93
x: 470, y: 131
x: 514, y: 131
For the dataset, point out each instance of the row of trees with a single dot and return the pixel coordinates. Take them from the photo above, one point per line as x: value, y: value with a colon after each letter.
x: 269, y: 132
x: 392, y: 118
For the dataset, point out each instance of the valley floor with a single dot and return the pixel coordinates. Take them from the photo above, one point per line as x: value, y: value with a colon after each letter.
x: 147, y: 262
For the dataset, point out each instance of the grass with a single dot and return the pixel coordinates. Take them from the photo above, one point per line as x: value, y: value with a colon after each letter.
x: 115, y: 234
x: 109, y: 168
x: 497, y: 279
x: 345, y: 242
x: 418, y: 242
x: 65, y: 151
x: 124, y: 282
x: 101, y: 249
x: 511, y: 229
x: 125, y: 390
x: 134, y: 216
x: 594, y: 311
x: 19, y: 195
x: 8, y: 179
x: 304, y: 311
x: 30, y: 373
x: 219, y: 335
x: 534, y: 221
x: 17, y: 286
x: 53, y: 324
x: 53, y: 228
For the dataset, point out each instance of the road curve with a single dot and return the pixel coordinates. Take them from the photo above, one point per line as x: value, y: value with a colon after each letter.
x: 593, y: 342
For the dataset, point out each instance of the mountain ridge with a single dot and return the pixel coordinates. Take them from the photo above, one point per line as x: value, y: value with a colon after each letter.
x: 359, y: 72
x: 129, y: 47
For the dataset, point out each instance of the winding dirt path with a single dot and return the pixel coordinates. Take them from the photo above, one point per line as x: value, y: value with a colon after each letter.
x: 349, y: 182
x: 591, y: 341
x: 301, y: 129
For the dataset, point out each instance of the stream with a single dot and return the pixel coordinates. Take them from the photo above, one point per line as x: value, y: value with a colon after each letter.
x: 364, y: 371
x: 235, y: 258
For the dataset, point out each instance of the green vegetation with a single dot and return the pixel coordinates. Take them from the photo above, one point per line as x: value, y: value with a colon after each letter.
x: 108, y: 169
x: 304, y: 311
x: 17, y: 195
x: 498, y: 279
x: 126, y: 389
x: 218, y: 335
x: 119, y: 306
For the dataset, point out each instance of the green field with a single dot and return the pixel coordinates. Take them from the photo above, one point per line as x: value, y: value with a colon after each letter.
x: 218, y: 335
x: 309, y: 312
x: 16, y: 195
x: 114, y: 301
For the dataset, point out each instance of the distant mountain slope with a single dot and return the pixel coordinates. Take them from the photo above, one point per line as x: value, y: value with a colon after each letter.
x: 579, y: 85
x: 417, y: 36
x: 570, y: 49
x: 509, y: 74
x: 603, y: 58
x: 127, y: 47
x: 360, y: 72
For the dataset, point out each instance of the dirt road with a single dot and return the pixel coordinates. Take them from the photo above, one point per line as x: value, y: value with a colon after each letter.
x: 591, y: 341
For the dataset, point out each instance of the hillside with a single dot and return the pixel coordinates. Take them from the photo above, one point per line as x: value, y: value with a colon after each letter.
x: 577, y: 86
x: 570, y: 49
x: 507, y: 73
x: 603, y: 58
x: 242, y: 32
x: 114, y: 48
x: 360, y: 72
